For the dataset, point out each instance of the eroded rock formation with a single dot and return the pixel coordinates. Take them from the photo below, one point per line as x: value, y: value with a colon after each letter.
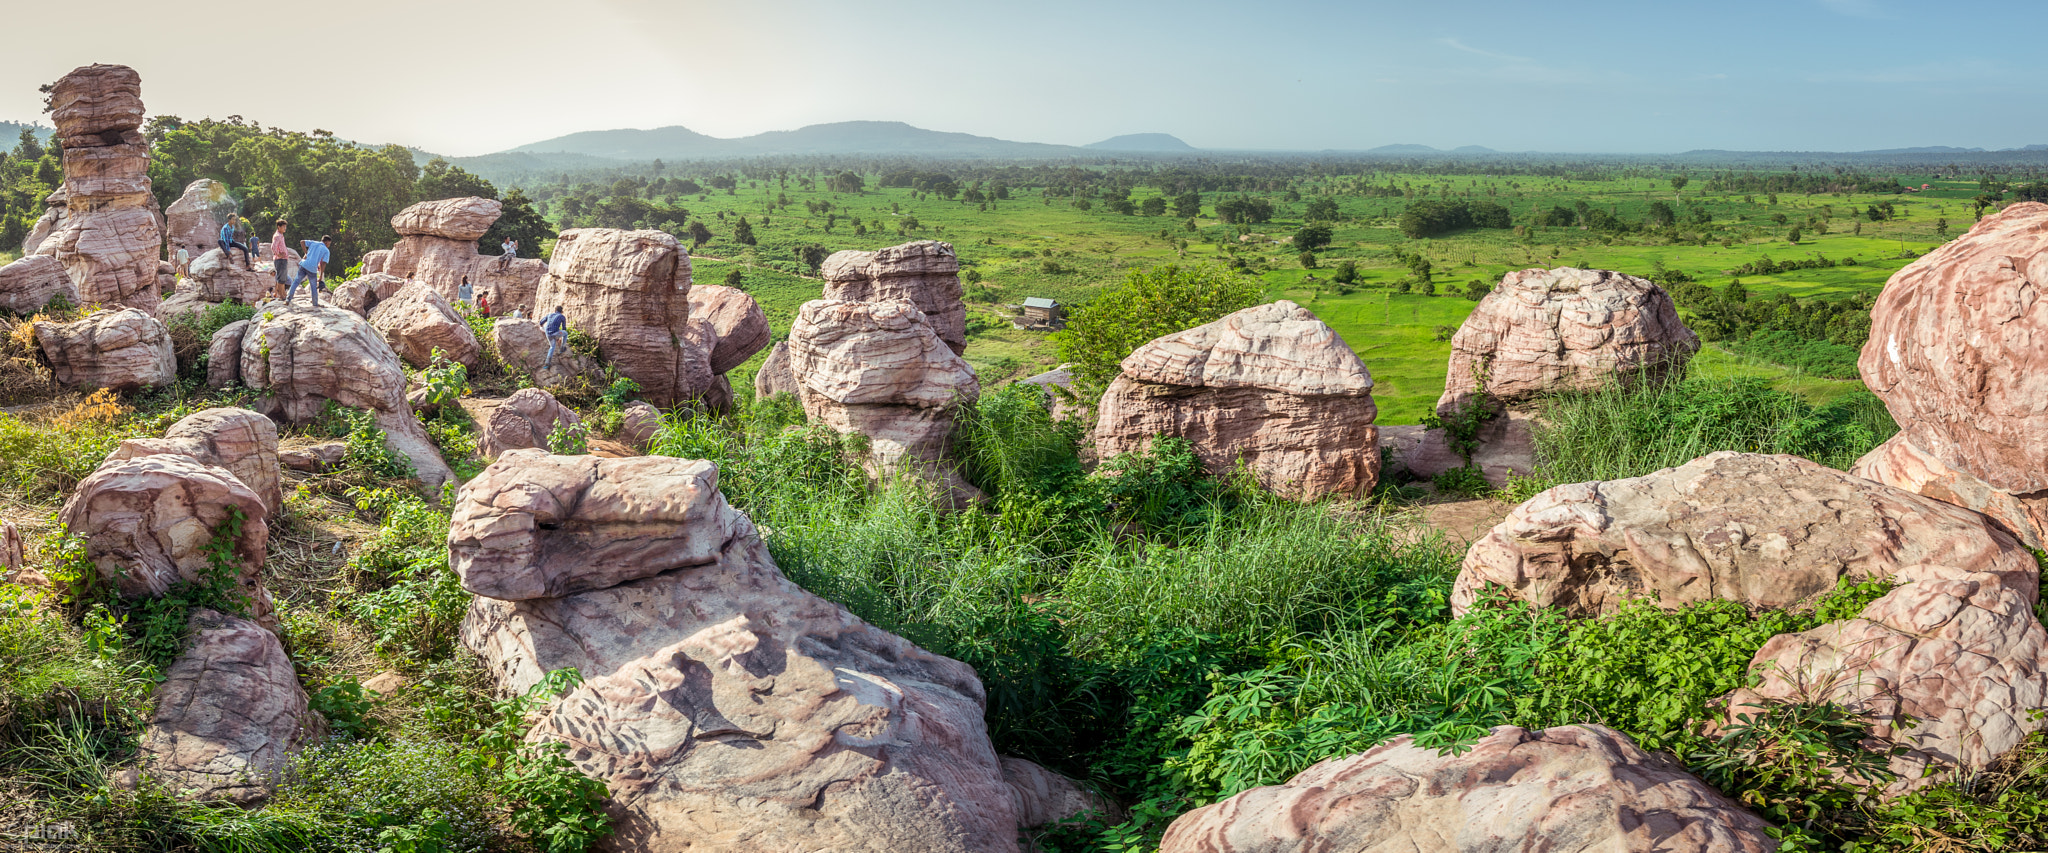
x: 228, y: 715
x: 1271, y: 385
x: 214, y: 278
x: 109, y: 239
x: 735, y: 320
x: 417, y: 321
x: 1545, y: 330
x: 147, y: 523
x: 27, y: 285
x: 437, y: 248
x: 523, y: 420
x: 631, y: 291
x: 925, y: 273
x: 193, y: 221
x: 238, y: 440
x: 775, y: 375
x: 123, y: 349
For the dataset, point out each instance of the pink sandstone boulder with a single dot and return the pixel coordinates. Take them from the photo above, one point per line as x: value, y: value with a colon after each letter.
x: 1771, y: 532
x: 1271, y: 385
x: 27, y: 285
x: 631, y: 291
x: 373, y: 261
x: 123, y: 349
x: 238, y: 440
x: 1901, y: 464
x: 306, y: 357
x: 638, y: 424
x: 416, y: 321
x: 219, y: 280
x: 193, y: 221
x: 449, y: 218
x: 1561, y: 329
x: 877, y: 369
x: 229, y: 714
x: 224, y: 355
x: 53, y: 216
x: 925, y: 273
x: 1569, y: 788
x: 437, y: 248
x: 1956, y: 351
x: 726, y: 707
x: 736, y: 320
x: 775, y: 376
x: 523, y: 420
x: 313, y: 458
x: 109, y: 240
x: 523, y: 348
x: 361, y: 295
x: 147, y: 523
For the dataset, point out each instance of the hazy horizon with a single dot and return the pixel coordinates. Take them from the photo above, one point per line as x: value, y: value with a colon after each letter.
x: 467, y: 78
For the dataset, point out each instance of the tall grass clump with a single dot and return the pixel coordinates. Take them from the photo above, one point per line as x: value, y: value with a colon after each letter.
x: 1628, y: 431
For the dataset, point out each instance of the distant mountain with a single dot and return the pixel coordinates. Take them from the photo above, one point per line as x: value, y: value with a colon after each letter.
x: 1473, y: 149
x: 1142, y: 142
x: 1403, y: 149
x: 10, y: 133
x: 846, y: 137
x: 1925, y: 149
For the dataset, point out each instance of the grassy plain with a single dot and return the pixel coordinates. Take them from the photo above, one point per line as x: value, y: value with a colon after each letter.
x: 1034, y: 245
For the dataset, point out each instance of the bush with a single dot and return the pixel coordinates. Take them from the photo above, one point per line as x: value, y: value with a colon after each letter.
x: 1818, y: 358
x: 1147, y: 304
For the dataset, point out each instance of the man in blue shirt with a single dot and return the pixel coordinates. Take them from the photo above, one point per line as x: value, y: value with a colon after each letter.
x: 314, y: 266
x: 556, y: 327
x: 227, y: 241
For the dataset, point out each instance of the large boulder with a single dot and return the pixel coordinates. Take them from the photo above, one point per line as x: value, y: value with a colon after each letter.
x: 1545, y: 330
x: 218, y: 278
x: 1569, y: 788
x: 776, y: 375
x: 123, y: 349
x: 224, y: 355
x: 229, y: 714
x: 416, y: 321
x: 726, y: 707
x: 110, y: 239
x: 631, y: 291
x: 523, y: 420
x: 638, y: 425
x: 437, y: 248
x: 193, y: 221
x: 148, y: 523
x: 361, y: 295
x: 523, y: 347
x: 878, y: 369
x: 1902, y: 464
x: 449, y: 218
x: 306, y: 357
x: 925, y: 273
x: 1956, y: 352
x: 27, y: 285
x: 736, y: 321
x: 1771, y: 532
x: 1271, y: 385
x: 239, y: 440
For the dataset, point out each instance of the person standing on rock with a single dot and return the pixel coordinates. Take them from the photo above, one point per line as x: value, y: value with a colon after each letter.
x: 314, y: 266
x: 556, y: 327
x: 184, y: 268
x: 227, y: 243
x: 465, y: 293
x: 280, y: 258
x: 483, y: 304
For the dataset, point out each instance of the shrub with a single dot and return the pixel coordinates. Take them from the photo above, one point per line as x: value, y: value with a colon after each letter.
x: 404, y: 590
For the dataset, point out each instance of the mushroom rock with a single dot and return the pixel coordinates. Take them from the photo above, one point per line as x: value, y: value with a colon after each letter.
x: 229, y: 714
x: 723, y: 705
x: 27, y: 285
x: 1271, y: 384
x: 878, y: 369
x: 1580, y: 788
x: 1544, y: 330
x: 193, y: 221
x: 416, y: 321
x: 1958, y: 351
x: 238, y: 440
x: 437, y: 247
x: 109, y: 239
x: 308, y: 356
x: 925, y: 273
x: 737, y: 323
x: 631, y: 291
x: 123, y: 350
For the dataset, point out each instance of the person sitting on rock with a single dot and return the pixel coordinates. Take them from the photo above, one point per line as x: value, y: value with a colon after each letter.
x: 556, y: 327
x: 511, y: 250
x: 280, y: 259
x: 227, y: 242
x: 314, y: 266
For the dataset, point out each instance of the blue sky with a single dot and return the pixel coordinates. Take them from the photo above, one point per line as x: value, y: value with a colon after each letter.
x: 469, y: 77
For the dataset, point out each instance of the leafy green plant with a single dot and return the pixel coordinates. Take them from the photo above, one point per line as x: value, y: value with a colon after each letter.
x: 1465, y: 480
x: 343, y: 704
x: 405, y: 592
x: 159, y: 627
x: 447, y: 382
x: 367, y: 451
x: 1147, y: 304
x: 569, y: 440
x: 556, y: 806
x: 1462, y: 424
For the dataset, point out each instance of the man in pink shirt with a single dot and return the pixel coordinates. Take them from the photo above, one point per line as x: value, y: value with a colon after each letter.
x: 280, y: 259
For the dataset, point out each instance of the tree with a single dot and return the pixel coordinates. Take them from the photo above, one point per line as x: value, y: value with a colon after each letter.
x: 744, y: 233
x: 440, y: 180
x: 733, y: 278
x: 1187, y: 205
x: 699, y: 235
x: 1794, y: 236
x: 1347, y: 273
x: 1307, y: 259
x: 846, y: 182
x: 1154, y: 206
x: 1660, y: 215
x: 1147, y: 304
x: 1321, y: 210
x: 518, y: 220
x: 1678, y: 183
x: 1941, y: 228
x: 1312, y: 236
x: 812, y: 256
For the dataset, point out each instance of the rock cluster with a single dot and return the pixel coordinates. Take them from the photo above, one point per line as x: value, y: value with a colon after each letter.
x: 123, y: 350
x: 1957, y: 353
x: 109, y: 239
x: 1270, y: 385
x: 437, y: 248
x: 417, y: 322
x: 878, y: 369
x: 1546, y: 330
x: 925, y: 273
x: 723, y: 705
x: 1566, y: 788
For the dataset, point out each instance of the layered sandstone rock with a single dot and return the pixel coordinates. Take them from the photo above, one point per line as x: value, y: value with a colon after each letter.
x: 313, y: 458
x: 216, y: 278
x: 437, y: 248
x: 1771, y: 532
x: 416, y: 321
x: 638, y: 424
x: 736, y: 323
x: 193, y: 221
x: 361, y: 295
x: 775, y: 376
x: 925, y: 273
x: 109, y: 239
x: 1956, y: 352
x: 147, y: 524
x: 1901, y: 464
x: 27, y: 285
x: 631, y: 291
x: 523, y: 347
x: 47, y: 224
x: 238, y: 440
x: 726, y: 707
x: 878, y: 369
x: 523, y: 420
x: 228, y: 715
x: 121, y: 349
x: 1544, y: 330
x: 1271, y: 385
x: 1580, y: 788
x: 306, y: 356
x: 224, y: 355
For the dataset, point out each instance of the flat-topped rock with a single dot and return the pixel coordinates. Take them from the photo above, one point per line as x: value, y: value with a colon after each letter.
x: 122, y: 350
x: 1565, y: 329
x: 925, y: 273
x: 1279, y: 346
x: 858, y: 353
x: 452, y: 218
